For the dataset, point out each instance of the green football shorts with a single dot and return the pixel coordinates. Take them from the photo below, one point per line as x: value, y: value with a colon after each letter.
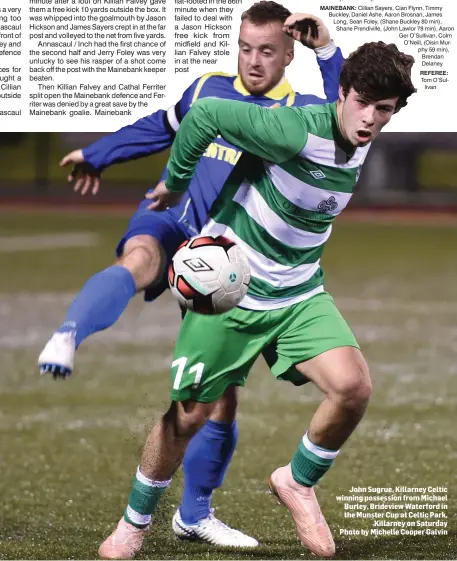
x: 214, y: 352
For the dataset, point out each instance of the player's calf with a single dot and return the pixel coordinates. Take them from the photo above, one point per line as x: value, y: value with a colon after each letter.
x: 162, y: 455
x: 102, y: 300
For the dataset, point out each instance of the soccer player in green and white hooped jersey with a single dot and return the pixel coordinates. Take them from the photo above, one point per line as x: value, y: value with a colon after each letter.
x: 298, y: 172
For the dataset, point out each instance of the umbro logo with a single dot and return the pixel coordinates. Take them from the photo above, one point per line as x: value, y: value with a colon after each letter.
x: 328, y: 205
x: 317, y: 174
x: 196, y: 264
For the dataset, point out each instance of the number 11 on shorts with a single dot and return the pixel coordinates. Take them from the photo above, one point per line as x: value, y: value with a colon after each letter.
x: 181, y: 364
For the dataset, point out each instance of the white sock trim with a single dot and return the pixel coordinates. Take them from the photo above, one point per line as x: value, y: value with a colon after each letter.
x: 150, y: 482
x: 138, y: 518
x: 327, y: 51
x: 321, y: 452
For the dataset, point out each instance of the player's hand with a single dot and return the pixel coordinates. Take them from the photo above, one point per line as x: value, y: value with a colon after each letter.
x: 308, y: 29
x: 85, y: 176
x: 162, y: 198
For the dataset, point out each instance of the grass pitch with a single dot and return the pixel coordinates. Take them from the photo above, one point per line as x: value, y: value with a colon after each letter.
x: 69, y: 449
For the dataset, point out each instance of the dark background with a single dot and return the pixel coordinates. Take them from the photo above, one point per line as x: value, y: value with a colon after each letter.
x: 405, y: 170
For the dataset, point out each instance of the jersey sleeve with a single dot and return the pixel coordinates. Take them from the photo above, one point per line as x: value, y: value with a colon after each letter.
x: 330, y: 60
x: 146, y: 136
x: 275, y: 135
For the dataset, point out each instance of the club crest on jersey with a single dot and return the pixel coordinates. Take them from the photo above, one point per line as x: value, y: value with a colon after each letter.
x: 328, y: 205
x: 317, y: 174
x: 196, y: 264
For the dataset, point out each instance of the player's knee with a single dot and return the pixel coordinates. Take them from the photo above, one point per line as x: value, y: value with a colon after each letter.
x: 144, y: 257
x: 225, y: 407
x: 354, y: 389
x: 190, y: 417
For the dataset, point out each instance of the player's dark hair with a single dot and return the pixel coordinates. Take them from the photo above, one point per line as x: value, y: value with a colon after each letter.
x: 266, y: 12
x: 378, y: 71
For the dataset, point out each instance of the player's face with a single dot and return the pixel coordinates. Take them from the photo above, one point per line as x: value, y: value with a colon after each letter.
x: 264, y: 52
x: 360, y: 120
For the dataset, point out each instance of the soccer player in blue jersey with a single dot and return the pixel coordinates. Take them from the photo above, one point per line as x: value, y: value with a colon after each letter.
x: 266, y: 48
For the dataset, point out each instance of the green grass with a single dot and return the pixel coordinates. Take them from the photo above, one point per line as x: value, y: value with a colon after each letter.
x: 69, y: 449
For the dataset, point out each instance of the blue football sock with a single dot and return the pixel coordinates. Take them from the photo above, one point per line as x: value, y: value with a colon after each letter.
x: 205, y: 464
x: 100, y: 303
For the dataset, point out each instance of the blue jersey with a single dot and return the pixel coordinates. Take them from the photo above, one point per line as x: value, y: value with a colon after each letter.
x: 156, y: 132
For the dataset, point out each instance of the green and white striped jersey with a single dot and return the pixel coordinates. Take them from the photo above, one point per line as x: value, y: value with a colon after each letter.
x: 278, y: 205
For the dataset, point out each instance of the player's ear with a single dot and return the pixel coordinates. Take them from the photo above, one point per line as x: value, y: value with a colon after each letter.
x: 341, y: 94
x: 290, y: 53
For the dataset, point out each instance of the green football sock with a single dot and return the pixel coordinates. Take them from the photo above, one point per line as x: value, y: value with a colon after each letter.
x: 311, y: 462
x: 143, y: 499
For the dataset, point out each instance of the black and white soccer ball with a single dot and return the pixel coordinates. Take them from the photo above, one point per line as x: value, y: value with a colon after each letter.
x: 209, y: 275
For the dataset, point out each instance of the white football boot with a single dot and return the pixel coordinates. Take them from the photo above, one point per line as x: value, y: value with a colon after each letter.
x: 211, y: 530
x: 58, y: 356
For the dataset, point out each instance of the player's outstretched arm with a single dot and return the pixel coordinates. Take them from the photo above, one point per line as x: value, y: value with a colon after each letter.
x: 147, y: 136
x: 312, y: 32
x: 274, y: 135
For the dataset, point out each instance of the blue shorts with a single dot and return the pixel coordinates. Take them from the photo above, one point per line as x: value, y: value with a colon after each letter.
x: 170, y: 227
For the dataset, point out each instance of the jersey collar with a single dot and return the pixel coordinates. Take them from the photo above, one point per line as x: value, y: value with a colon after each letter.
x: 278, y: 92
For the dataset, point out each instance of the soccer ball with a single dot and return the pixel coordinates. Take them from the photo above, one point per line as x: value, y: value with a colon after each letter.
x: 209, y: 275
